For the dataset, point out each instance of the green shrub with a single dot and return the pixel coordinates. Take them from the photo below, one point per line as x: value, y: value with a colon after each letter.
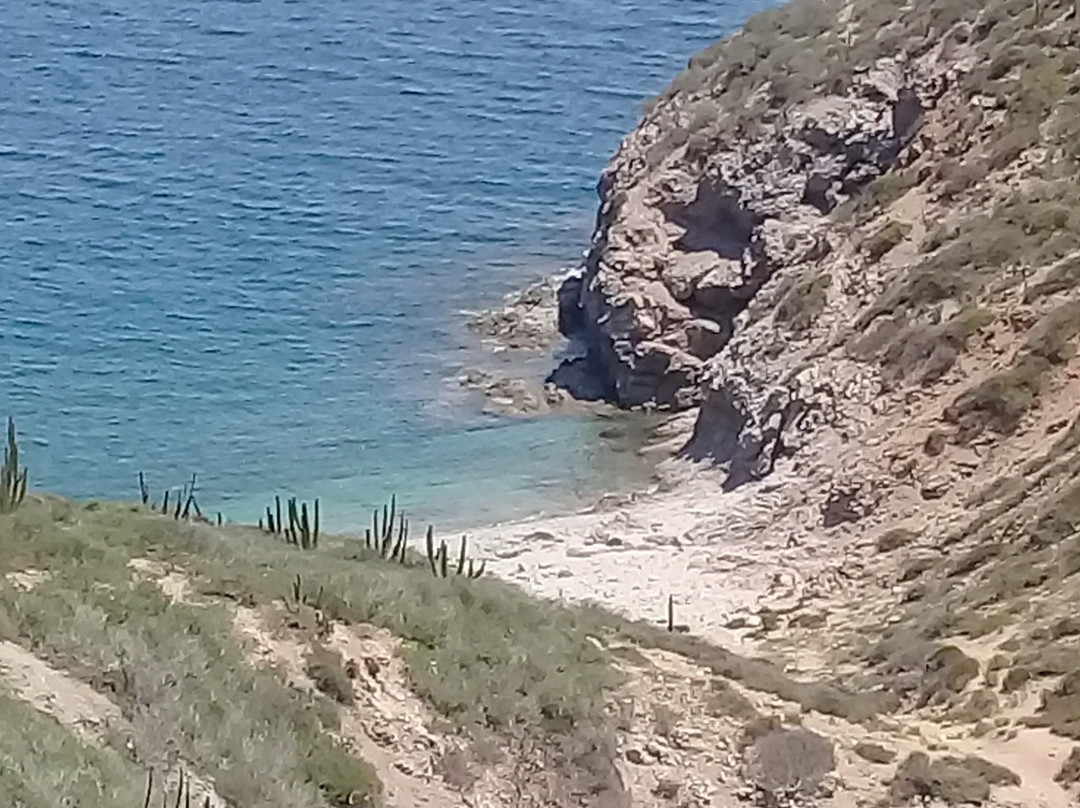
x: 326, y: 670
x: 802, y: 301
x: 885, y: 239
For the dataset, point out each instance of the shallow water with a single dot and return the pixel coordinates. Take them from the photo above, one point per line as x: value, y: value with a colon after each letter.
x: 237, y: 236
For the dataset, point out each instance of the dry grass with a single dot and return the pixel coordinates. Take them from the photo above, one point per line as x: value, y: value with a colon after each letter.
x: 42, y: 763
x: 481, y: 652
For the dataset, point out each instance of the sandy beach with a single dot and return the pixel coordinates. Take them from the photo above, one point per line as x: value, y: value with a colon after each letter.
x: 718, y: 555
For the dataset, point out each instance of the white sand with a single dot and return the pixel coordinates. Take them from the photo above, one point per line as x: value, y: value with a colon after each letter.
x: 717, y: 554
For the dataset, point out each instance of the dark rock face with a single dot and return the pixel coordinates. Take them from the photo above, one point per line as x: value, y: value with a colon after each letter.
x: 713, y: 220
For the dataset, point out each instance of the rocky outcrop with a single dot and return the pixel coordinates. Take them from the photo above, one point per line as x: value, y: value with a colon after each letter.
x: 688, y: 235
x: 781, y: 242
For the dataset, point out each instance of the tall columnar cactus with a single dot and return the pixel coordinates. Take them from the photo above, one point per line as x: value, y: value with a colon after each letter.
x: 12, y: 480
x: 386, y: 539
x: 299, y: 525
x: 438, y: 558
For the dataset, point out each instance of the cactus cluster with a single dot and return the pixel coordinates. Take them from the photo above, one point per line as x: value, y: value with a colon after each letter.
x: 183, y: 507
x: 301, y: 530
x: 183, y: 793
x: 382, y: 537
x: 299, y: 598
x: 389, y: 537
x: 12, y: 480
x: 439, y: 561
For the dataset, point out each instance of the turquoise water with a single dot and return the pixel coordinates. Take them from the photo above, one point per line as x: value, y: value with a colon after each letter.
x: 237, y: 236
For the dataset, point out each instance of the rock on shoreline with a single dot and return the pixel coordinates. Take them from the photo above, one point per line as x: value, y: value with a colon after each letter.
x: 699, y: 210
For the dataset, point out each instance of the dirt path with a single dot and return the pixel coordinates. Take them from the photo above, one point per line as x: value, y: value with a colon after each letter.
x: 387, y: 725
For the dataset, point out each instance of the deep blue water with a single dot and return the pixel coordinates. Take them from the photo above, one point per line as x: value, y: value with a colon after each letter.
x: 237, y: 235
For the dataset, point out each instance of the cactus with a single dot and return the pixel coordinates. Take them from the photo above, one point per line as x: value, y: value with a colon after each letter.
x: 300, y: 599
x: 299, y: 525
x: 305, y: 527
x: 431, y: 548
x: 389, y: 534
x: 461, y: 558
x: 438, y: 559
x: 12, y: 481
x: 398, y: 553
x: 183, y: 792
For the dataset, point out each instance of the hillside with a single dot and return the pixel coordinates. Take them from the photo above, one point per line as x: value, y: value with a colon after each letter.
x: 845, y: 245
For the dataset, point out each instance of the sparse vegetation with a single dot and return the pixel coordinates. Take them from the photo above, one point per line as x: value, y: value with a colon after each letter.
x: 43, y: 761
x: 1000, y: 401
x: 885, y: 239
x: 787, y: 763
x: 480, y: 651
x: 802, y: 300
x: 327, y: 671
x: 764, y: 676
x: 169, y: 666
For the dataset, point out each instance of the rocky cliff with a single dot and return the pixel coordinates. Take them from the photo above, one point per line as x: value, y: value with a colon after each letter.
x: 825, y: 211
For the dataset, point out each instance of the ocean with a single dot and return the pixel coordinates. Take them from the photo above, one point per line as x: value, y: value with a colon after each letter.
x: 238, y: 236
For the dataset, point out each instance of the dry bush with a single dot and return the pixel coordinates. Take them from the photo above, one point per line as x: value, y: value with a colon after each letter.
x: 925, y: 353
x: 724, y: 701
x: 895, y: 538
x: 1000, y: 401
x: 1063, y: 277
x: 1009, y: 147
x: 325, y: 667
x: 801, y: 301
x: 874, y: 752
x: 885, y: 239
x: 955, y: 781
x: 956, y: 177
x: 1069, y: 772
x: 789, y: 762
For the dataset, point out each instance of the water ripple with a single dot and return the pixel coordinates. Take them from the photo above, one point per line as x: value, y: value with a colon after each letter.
x: 236, y: 234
